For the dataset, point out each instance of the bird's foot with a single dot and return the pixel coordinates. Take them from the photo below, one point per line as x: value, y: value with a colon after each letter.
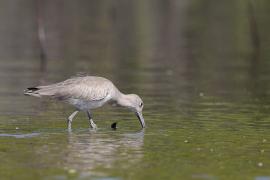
x: 93, y: 125
x: 69, y: 124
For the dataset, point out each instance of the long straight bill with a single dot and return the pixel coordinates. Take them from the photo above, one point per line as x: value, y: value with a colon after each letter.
x: 141, y: 119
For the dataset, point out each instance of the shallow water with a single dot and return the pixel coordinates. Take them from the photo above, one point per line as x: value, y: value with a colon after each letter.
x: 204, y: 85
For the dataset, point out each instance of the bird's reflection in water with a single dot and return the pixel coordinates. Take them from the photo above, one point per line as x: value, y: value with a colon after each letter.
x: 89, y: 150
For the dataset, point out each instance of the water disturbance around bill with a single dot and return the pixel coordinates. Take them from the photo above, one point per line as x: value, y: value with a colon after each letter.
x: 205, y: 89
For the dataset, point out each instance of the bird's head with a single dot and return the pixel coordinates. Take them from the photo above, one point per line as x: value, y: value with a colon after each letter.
x: 135, y: 104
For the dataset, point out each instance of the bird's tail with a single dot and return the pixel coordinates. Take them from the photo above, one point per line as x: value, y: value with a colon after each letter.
x: 32, y: 91
x: 40, y: 91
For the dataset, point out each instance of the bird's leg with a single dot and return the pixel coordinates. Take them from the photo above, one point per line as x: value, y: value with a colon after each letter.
x: 92, y: 124
x: 70, y: 118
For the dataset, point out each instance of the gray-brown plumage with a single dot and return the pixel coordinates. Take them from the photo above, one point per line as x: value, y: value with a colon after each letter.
x: 86, y: 93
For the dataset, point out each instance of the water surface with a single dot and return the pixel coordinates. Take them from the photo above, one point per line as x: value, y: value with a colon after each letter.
x: 198, y: 67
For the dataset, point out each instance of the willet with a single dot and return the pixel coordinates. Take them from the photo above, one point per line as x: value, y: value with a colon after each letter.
x: 87, y: 93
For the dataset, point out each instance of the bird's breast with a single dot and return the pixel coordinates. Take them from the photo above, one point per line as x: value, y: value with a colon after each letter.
x: 84, y: 105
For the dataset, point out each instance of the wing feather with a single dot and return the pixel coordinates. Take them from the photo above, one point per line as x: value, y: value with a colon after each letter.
x: 87, y: 88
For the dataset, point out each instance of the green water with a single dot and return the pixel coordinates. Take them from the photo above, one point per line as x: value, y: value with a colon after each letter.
x: 202, y: 74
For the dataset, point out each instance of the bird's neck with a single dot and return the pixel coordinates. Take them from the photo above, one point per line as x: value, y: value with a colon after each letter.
x: 123, y: 100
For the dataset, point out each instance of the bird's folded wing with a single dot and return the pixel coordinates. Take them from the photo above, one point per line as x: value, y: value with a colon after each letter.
x: 84, y: 92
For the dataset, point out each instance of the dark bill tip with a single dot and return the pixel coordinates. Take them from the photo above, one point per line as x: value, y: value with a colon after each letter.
x: 141, y: 119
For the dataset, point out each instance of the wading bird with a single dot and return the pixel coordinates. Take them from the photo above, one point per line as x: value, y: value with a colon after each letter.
x: 87, y: 93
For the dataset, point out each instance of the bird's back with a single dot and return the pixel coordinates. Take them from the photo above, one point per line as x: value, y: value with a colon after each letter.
x: 87, y: 88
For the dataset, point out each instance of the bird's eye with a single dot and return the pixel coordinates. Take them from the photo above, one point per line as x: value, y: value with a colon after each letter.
x: 141, y: 104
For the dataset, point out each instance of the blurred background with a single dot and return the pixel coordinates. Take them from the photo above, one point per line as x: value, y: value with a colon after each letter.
x: 201, y: 67
x: 222, y: 44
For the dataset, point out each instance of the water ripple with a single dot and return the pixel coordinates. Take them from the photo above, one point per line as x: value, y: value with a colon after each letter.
x: 28, y: 135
